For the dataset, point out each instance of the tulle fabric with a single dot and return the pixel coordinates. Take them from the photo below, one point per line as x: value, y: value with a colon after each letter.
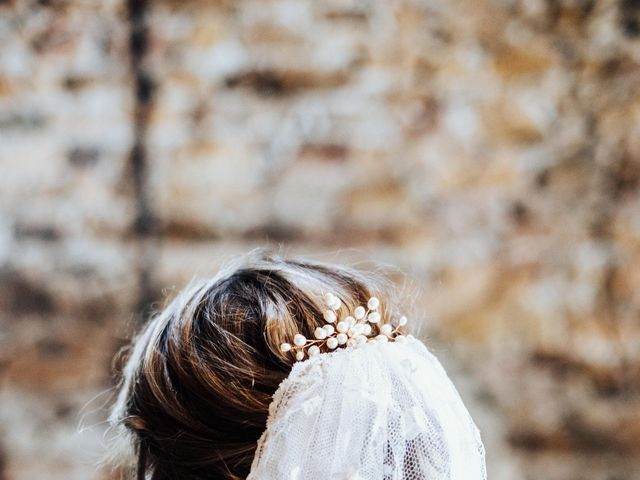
x: 382, y: 411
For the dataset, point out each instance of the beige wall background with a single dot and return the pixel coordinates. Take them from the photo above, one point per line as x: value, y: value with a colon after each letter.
x: 487, y: 149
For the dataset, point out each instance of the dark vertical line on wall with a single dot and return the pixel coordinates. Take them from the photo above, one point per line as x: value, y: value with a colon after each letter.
x: 3, y: 464
x: 144, y: 226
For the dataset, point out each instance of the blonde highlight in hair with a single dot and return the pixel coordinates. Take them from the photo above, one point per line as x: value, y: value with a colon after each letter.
x: 198, y: 382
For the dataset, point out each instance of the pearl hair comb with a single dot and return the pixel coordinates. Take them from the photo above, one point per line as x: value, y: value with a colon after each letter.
x: 353, y: 329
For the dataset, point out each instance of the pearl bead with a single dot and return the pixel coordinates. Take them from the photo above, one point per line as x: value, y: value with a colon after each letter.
x: 332, y: 343
x: 352, y: 342
x: 366, y: 329
x: 313, y: 350
x: 386, y: 329
x: 350, y: 321
x: 382, y: 338
x: 403, y: 321
x: 358, y: 329
x: 299, y: 355
x: 336, y: 303
x: 361, y: 339
x: 299, y: 340
x: 328, y: 299
x: 373, y: 303
x: 359, y: 312
x: 285, y: 347
x: 329, y: 329
x: 330, y: 316
x: 342, y: 327
x: 373, y: 317
x: 320, y: 333
x: 342, y: 338
x: 400, y: 338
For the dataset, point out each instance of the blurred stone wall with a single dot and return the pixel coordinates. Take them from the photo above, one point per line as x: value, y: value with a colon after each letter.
x: 488, y: 149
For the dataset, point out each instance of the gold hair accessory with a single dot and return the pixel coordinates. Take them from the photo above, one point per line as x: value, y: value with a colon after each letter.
x: 353, y: 329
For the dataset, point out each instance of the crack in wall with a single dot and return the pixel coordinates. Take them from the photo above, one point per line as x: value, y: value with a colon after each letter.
x: 144, y: 227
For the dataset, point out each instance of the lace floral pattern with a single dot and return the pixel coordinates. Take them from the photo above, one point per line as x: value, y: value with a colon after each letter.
x: 377, y: 411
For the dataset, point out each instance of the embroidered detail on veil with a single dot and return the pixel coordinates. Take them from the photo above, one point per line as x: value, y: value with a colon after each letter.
x: 378, y: 411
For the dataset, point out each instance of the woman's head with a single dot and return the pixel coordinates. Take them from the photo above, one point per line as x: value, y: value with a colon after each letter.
x: 200, y: 377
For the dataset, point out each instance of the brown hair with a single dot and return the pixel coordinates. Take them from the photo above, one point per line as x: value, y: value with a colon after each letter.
x: 197, y: 385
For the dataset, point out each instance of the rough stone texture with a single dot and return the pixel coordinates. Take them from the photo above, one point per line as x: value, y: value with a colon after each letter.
x: 489, y: 149
x: 66, y: 277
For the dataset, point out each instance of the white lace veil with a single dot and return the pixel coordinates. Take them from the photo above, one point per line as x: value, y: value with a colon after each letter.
x: 381, y: 411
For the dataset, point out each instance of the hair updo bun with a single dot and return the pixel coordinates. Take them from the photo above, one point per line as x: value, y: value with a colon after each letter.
x: 197, y: 385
